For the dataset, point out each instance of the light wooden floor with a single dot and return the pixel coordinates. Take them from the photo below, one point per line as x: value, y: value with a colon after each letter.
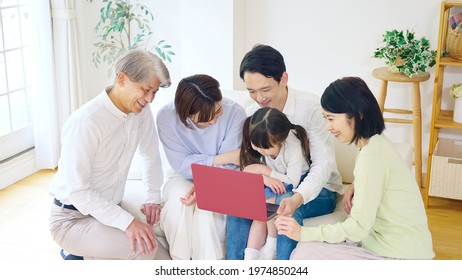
x: 24, y: 209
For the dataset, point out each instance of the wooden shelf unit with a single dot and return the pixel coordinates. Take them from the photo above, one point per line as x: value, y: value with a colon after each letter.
x: 441, y: 118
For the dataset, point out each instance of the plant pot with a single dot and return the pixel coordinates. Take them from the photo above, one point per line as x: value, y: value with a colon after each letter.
x: 394, y: 69
x: 457, y: 117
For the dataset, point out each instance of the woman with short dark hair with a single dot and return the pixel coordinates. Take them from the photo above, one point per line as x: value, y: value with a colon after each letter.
x: 198, y: 127
x: 387, y: 216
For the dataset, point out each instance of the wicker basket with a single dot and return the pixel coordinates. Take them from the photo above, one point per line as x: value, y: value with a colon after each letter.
x: 454, y: 42
x: 446, y: 171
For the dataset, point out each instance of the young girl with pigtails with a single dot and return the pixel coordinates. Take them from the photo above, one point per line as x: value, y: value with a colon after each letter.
x: 278, y: 150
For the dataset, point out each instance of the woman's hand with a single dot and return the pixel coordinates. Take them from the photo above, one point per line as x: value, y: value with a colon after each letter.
x: 289, y: 227
x: 231, y: 157
x: 274, y: 184
x: 347, y: 201
x: 190, y: 197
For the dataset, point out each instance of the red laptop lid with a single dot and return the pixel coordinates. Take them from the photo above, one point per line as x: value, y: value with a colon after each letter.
x: 230, y: 192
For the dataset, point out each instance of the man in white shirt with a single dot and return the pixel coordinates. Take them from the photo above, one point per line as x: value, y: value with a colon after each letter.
x: 264, y: 72
x: 98, y: 143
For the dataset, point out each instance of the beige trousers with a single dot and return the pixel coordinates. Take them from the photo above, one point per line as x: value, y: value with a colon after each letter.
x: 191, y: 233
x: 83, y: 235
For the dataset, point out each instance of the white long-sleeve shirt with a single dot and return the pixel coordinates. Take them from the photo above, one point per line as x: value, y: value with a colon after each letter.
x: 98, y: 144
x: 304, y: 109
x: 290, y: 164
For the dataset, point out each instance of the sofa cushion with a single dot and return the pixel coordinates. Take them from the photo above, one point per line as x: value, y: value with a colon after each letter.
x: 339, y: 215
x: 241, y: 97
x: 134, y: 197
x: 345, y: 155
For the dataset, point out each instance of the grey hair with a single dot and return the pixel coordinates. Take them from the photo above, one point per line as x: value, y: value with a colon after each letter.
x: 141, y: 66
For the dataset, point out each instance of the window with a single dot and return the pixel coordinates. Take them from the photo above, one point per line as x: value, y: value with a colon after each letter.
x: 16, y: 123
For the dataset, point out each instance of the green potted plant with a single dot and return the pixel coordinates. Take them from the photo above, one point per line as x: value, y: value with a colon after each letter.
x: 116, y: 32
x: 404, y: 53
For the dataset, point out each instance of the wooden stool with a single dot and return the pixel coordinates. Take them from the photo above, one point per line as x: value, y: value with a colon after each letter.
x: 385, y: 76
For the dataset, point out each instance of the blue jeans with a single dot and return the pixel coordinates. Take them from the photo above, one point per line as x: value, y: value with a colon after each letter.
x: 237, y: 229
x: 289, y: 187
x: 269, y: 192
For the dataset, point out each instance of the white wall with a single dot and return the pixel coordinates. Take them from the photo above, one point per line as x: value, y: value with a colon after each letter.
x: 320, y: 41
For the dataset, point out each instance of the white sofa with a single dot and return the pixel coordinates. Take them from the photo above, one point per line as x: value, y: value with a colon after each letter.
x: 345, y: 156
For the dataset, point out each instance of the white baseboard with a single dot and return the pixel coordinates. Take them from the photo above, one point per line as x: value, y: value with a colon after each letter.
x: 17, y: 168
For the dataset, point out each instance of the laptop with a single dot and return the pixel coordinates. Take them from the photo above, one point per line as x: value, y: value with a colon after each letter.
x: 231, y: 192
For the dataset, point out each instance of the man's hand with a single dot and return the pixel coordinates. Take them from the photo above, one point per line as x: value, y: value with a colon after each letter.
x: 288, y: 205
x: 152, y: 212
x: 289, y: 227
x: 347, y: 201
x: 141, y: 235
x: 190, y: 197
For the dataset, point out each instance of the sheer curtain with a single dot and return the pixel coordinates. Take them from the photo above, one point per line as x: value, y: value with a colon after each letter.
x: 44, y: 105
x: 59, y: 78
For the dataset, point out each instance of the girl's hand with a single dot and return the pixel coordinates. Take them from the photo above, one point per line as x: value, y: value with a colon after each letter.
x: 347, y: 201
x: 274, y: 184
x: 190, y: 197
x: 288, y: 227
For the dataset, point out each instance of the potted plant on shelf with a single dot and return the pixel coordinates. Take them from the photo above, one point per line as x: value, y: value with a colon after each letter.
x: 456, y: 92
x: 122, y: 27
x: 405, y: 54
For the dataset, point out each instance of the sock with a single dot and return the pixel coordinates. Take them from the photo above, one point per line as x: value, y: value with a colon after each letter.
x: 268, y: 251
x: 250, y: 254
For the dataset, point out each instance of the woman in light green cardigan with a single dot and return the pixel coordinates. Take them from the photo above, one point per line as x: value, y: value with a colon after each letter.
x: 387, y: 216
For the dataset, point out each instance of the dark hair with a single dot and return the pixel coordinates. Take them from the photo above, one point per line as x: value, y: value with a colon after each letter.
x: 265, y: 60
x: 266, y: 128
x: 197, y: 94
x: 351, y: 96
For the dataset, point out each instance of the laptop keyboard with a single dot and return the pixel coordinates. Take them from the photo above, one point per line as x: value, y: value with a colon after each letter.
x: 271, y: 209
